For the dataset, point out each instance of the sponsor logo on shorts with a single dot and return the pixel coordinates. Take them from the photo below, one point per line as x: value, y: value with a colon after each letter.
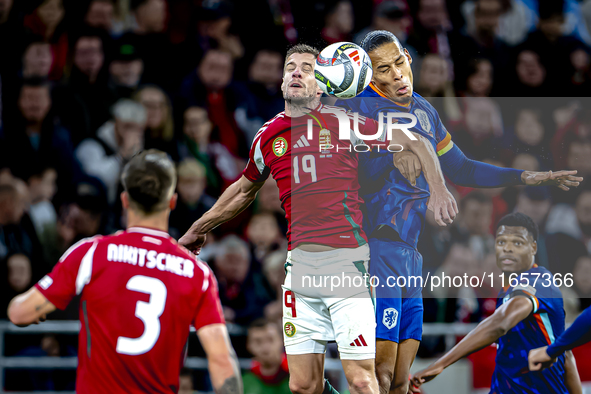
x: 390, y: 318
x: 289, y: 329
x: 359, y: 341
x: 279, y: 146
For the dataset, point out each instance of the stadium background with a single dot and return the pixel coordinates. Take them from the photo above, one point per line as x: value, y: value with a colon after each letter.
x: 84, y: 84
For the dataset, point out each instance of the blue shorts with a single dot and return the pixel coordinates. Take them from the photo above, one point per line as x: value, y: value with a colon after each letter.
x: 399, y: 301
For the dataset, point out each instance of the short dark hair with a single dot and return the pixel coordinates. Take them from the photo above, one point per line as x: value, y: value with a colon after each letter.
x: 302, y: 48
x: 376, y: 38
x: 149, y: 179
x: 518, y: 219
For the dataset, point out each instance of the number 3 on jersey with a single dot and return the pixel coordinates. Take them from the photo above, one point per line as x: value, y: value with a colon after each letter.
x: 148, y: 312
x: 308, y: 165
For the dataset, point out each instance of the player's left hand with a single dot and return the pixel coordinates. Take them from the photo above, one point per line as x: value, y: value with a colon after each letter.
x: 538, y: 359
x: 443, y: 205
x: 423, y: 376
x: 561, y: 179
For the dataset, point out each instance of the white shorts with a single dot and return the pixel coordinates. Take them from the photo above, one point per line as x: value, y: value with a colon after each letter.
x: 314, y: 315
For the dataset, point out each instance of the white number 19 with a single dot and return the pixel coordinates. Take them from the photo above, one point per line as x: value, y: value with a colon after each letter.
x: 308, y: 165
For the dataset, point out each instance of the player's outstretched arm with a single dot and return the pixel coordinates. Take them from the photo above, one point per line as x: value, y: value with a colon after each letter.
x: 222, y: 363
x: 233, y: 200
x: 441, y: 201
x: 487, y: 332
x: 29, y: 308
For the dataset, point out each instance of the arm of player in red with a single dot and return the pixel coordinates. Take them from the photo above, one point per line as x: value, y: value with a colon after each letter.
x: 29, y: 308
x: 571, y: 374
x: 224, y: 369
x: 235, y: 199
x: 56, y: 289
x: 487, y: 332
x: 576, y: 335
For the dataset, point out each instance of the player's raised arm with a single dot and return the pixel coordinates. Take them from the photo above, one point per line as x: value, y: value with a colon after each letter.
x: 29, y: 308
x: 487, y: 332
x: 235, y: 199
x: 222, y: 363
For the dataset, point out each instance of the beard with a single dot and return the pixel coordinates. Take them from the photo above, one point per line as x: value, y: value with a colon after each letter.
x: 300, y: 101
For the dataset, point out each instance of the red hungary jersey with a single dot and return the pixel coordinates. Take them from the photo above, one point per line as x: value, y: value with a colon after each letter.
x: 140, y: 292
x: 317, y: 176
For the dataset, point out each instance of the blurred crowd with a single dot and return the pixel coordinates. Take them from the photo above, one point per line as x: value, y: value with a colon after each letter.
x: 87, y: 84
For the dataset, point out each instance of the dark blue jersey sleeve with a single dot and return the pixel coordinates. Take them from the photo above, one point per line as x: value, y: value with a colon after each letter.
x: 466, y: 172
x: 576, y: 335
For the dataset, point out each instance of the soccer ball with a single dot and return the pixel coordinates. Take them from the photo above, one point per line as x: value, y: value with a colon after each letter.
x: 343, y: 70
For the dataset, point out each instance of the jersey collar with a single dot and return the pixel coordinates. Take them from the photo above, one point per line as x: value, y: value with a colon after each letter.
x: 148, y: 231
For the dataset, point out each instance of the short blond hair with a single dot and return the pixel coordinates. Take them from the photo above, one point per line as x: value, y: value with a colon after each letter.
x: 191, y: 168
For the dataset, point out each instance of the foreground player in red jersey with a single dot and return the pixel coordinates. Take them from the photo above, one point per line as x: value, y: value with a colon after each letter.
x: 141, y: 292
x: 319, y: 192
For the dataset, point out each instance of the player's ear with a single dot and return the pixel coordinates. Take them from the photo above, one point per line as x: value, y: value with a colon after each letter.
x: 407, y: 54
x: 534, y: 247
x: 172, y: 202
x: 125, y: 200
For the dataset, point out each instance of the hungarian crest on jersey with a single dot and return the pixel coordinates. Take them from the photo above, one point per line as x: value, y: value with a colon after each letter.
x: 279, y: 146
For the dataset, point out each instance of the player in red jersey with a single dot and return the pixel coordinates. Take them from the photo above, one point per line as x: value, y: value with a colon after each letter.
x: 317, y: 178
x: 140, y: 293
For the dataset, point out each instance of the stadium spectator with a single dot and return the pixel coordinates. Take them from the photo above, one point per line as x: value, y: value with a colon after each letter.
x: 481, y: 39
x: 19, y: 272
x: 37, y: 138
x: 269, y: 373
x: 536, y: 202
x: 526, y: 162
x: 221, y: 167
x: 159, y: 122
x: 474, y: 223
x: 274, y: 271
x: 213, y: 29
x: 99, y: 14
x: 392, y: 16
x: 530, y: 75
x: 42, y: 189
x: 430, y: 29
x: 37, y: 59
x: 126, y: 68
x: 152, y: 42
x: 116, y: 142
x: 338, y: 22
x: 211, y: 86
x: 264, y: 82
x: 48, y: 22
x: 243, y: 291
x: 85, y: 102
x: 192, y: 202
x: 531, y: 135
x: 569, y: 232
x: 264, y: 236
x: 549, y: 38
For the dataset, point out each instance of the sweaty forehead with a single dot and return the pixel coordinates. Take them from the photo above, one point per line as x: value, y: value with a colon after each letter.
x: 386, y: 53
x: 517, y: 231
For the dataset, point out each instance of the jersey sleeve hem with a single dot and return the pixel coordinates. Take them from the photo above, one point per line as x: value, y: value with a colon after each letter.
x: 58, y: 304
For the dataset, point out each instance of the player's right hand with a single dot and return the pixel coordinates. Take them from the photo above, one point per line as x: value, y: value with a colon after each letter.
x: 443, y: 204
x: 409, y: 165
x: 539, y: 359
x: 193, y: 241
